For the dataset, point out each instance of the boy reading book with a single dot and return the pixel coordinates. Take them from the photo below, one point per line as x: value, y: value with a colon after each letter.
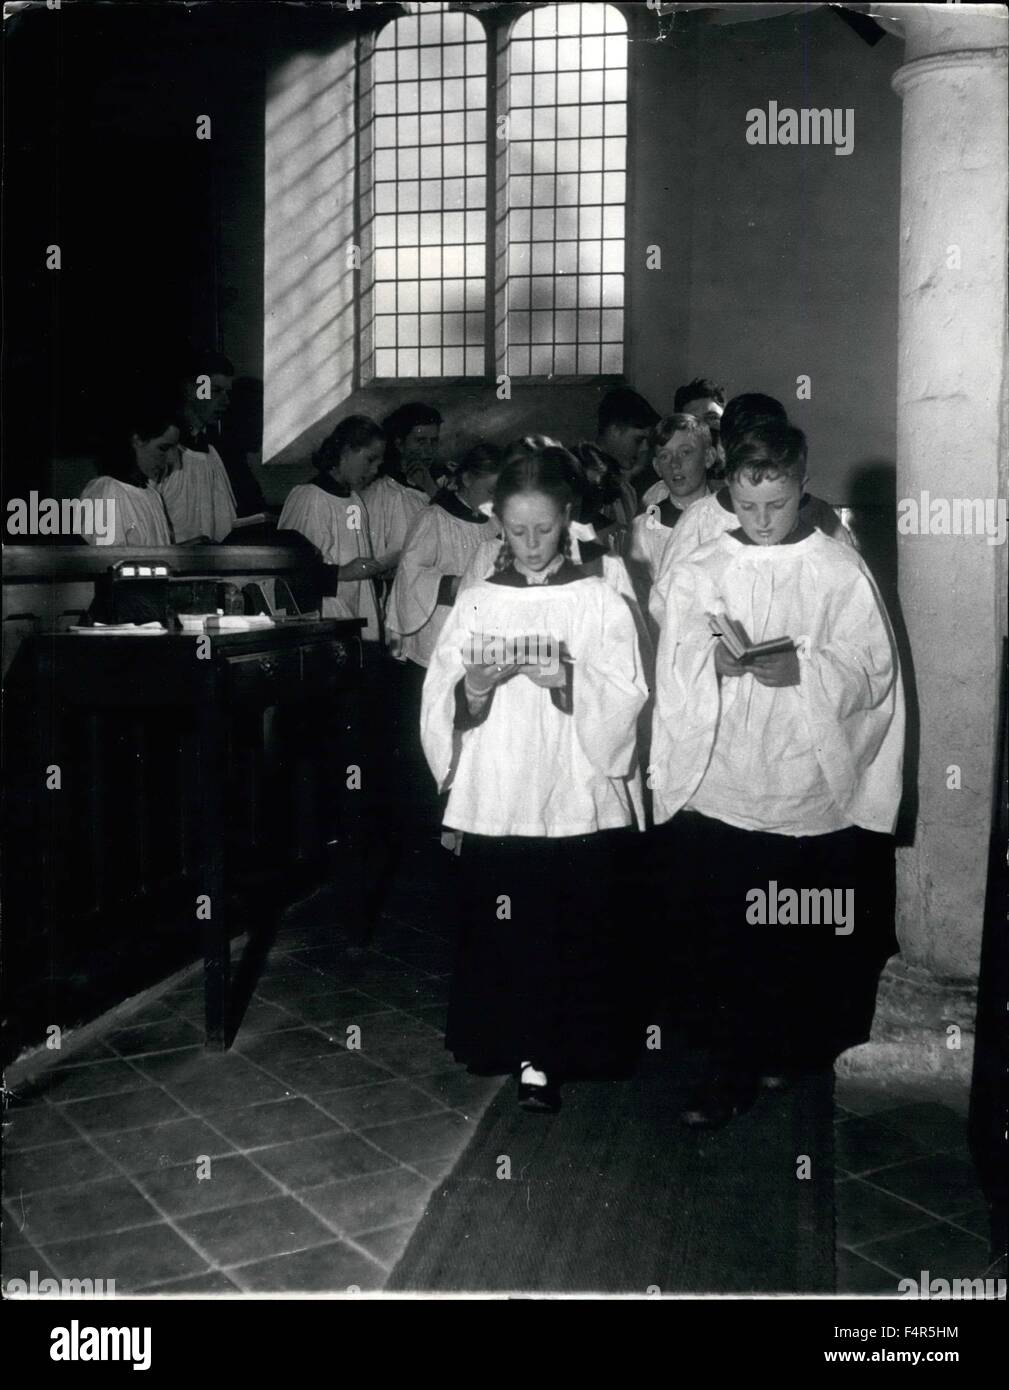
x: 775, y: 770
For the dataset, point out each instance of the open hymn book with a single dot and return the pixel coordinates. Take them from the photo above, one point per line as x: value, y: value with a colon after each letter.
x: 733, y: 637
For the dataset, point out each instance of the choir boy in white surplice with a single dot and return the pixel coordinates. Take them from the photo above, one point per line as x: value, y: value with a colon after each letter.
x: 330, y: 512
x: 682, y: 456
x: 713, y: 515
x: 528, y: 721
x: 776, y: 782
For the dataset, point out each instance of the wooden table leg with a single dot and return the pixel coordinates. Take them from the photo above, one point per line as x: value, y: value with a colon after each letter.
x: 212, y: 906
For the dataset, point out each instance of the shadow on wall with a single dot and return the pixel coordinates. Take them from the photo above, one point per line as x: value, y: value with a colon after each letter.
x: 873, y: 510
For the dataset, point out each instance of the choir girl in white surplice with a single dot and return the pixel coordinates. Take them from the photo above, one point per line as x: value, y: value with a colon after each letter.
x: 528, y: 720
x: 129, y: 489
x: 330, y: 512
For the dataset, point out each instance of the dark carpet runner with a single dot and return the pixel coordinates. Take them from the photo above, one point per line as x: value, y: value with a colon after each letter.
x: 614, y: 1195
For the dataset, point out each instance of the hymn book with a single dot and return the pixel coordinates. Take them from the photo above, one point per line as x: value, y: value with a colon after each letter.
x: 733, y: 637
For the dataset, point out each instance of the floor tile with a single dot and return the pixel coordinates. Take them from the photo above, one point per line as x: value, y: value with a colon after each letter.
x: 865, y: 1097
x: 418, y: 1056
x: 932, y: 1127
x: 111, y: 1204
x: 866, y: 1143
x: 941, y: 1183
x: 210, y: 1081
x: 947, y: 1253
x: 95, y: 1079
x: 145, y: 1255
x: 132, y: 1110
x: 238, y: 1235
x: 57, y: 1165
x: 294, y: 1045
x: 861, y: 1276
x: 333, y: 1268
x: 865, y: 1213
x: 977, y: 1222
x: 457, y: 1088
x: 160, y: 1036
x: 31, y: 1126
x: 423, y: 1138
x: 275, y: 1122
x: 21, y: 1261
x: 213, y: 1282
x: 370, y: 1202
x: 311, y: 1162
x: 336, y: 1011
x: 387, y: 1246
x: 230, y: 1182
x: 436, y: 1169
x: 261, y: 1017
x: 287, y: 990
x: 160, y: 1146
x: 330, y: 1073
x: 360, y: 1106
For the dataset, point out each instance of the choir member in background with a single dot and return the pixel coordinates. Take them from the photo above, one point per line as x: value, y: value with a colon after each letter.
x: 683, y: 456
x: 704, y: 399
x: 412, y: 433
x: 624, y: 422
x: 135, y: 468
x: 198, y: 494
x: 775, y: 773
x: 758, y: 418
x: 329, y: 512
x: 438, y: 547
x: 528, y: 722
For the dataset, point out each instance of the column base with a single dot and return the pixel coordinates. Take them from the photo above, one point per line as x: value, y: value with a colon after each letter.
x: 922, y: 1033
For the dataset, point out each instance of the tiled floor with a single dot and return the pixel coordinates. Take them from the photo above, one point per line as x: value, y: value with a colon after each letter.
x: 298, y: 1161
x: 295, y: 1161
x: 907, y: 1195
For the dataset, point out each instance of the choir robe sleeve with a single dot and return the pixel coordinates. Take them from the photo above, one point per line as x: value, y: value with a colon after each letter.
x: 392, y: 509
x: 616, y: 574
x: 697, y: 525
x: 481, y: 563
x: 422, y: 566
x: 608, y: 689
x: 852, y: 691
x: 309, y: 511
x: 686, y: 711
x: 438, y: 734
x: 138, y: 514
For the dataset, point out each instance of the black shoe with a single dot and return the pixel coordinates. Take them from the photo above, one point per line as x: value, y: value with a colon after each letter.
x: 712, y: 1106
x: 543, y: 1100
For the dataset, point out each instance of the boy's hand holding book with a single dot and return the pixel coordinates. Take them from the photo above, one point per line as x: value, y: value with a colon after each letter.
x: 772, y: 663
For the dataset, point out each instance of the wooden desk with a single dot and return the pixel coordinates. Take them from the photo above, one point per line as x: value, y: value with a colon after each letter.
x: 297, y: 663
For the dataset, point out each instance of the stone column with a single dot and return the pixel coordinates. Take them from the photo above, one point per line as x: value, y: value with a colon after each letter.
x: 951, y: 443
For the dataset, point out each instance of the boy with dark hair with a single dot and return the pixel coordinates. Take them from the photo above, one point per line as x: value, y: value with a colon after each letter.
x: 776, y: 782
x: 412, y: 432
x: 704, y: 399
x: 620, y: 451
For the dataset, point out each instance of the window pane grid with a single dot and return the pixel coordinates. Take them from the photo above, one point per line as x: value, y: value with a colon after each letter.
x: 566, y: 188
x: 425, y: 264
